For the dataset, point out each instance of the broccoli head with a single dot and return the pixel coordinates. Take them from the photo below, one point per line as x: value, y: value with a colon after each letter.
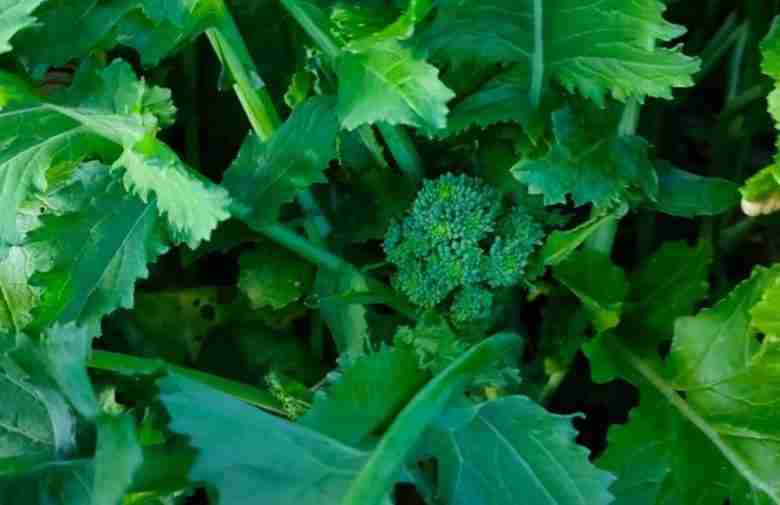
x: 457, y: 242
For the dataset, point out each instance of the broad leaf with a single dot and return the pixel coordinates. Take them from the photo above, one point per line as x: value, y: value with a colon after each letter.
x: 17, y: 296
x: 513, y: 451
x: 247, y: 456
x: 684, y: 194
x: 153, y: 27
x: 505, y: 97
x: 117, y: 458
x: 35, y: 424
x: 731, y: 383
x: 666, y: 286
x: 389, y: 83
x: 15, y: 17
x: 589, y: 161
x: 595, y: 49
x: 365, y: 27
x: 103, y: 111
x: 95, y: 255
x: 598, y: 283
x: 658, y: 454
x: 366, y: 395
x: 271, y: 277
x: 193, y: 205
x: 266, y: 176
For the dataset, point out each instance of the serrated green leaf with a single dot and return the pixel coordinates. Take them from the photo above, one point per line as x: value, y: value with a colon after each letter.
x: 503, y: 98
x: 153, y: 27
x: 34, y: 138
x: 590, y: 162
x: 266, y: 176
x: 103, y: 108
x: 193, y: 205
x: 668, y: 285
x: 513, y: 451
x: 366, y: 395
x: 117, y: 458
x: 124, y: 112
x: 659, y: 454
x: 35, y: 424
x: 598, y: 283
x: 718, y: 342
x: 594, y: 49
x: 271, y: 277
x: 766, y: 313
x: 17, y: 296
x: 95, y: 256
x: 15, y: 17
x: 731, y: 383
x: 365, y: 28
x: 760, y: 192
x: 389, y: 83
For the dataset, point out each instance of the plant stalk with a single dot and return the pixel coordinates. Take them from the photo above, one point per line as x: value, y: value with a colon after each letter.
x: 685, y: 410
x: 380, y: 471
x: 396, y: 138
x: 123, y: 363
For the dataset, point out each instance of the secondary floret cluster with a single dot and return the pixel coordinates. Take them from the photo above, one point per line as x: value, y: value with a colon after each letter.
x: 457, y: 244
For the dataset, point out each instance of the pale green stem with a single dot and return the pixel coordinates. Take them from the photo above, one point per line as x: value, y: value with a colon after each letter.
x: 126, y: 364
x: 398, y: 141
x: 381, y: 470
x: 685, y: 410
x: 403, y: 150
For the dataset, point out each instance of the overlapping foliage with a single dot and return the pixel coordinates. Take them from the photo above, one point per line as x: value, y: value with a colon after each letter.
x: 394, y: 259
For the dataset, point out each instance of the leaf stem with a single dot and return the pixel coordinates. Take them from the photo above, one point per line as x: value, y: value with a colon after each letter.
x: 124, y: 363
x: 719, y: 44
x: 382, y: 467
x: 403, y: 150
x: 685, y: 410
x: 316, y: 29
x: 232, y: 51
x: 396, y: 138
x: 249, y: 87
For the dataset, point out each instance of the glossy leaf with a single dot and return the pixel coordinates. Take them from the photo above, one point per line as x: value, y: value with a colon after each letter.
x: 511, y: 450
x: 95, y: 256
x: 366, y: 395
x: 266, y: 176
x: 595, y: 49
x: 389, y: 83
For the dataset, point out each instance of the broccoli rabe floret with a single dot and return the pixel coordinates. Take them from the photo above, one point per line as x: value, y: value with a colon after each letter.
x: 457, y: 244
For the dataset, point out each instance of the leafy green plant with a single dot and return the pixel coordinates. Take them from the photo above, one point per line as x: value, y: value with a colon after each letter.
x: 373, y: 252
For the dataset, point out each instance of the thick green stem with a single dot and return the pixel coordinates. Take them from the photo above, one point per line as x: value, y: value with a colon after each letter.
x: 304, y: 248
x: 381, y: 470
x: 123, y: 363
x: 317, y: 29
x: 403, y: 150
x: 320, y: 256
x: 190, y: 62
x: 726, y: 36
x: 249, y: 87
x: 251, y: 91
x: 603, y: 239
